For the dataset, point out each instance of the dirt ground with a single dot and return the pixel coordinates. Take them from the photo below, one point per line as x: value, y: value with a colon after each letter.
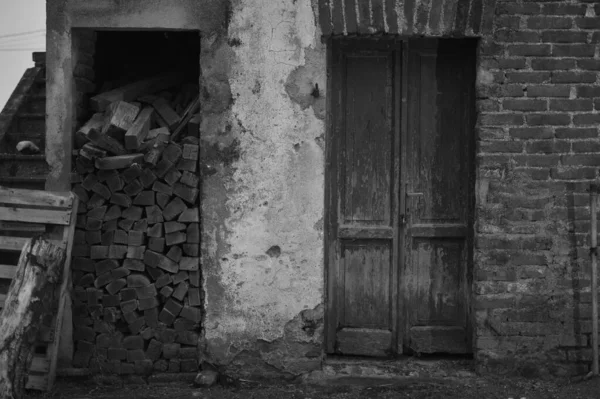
x: 473, y: 387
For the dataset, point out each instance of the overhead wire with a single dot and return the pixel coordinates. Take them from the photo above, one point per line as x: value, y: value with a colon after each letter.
x: 22, y: 33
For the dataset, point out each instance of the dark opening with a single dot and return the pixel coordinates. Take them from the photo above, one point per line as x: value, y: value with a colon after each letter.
x: 126, y: 56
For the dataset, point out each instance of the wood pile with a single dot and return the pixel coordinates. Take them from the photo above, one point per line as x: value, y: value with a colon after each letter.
x: 137, y: 298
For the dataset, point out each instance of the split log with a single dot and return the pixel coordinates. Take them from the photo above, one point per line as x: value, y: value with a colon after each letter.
x: 165, y: 111
x: 32, y: 296
x: 121, y: 118
x: 107, y: 143
x: 95, y: 123
x: 134, y: 90
x: 118, y: 162
x: 139, y: 130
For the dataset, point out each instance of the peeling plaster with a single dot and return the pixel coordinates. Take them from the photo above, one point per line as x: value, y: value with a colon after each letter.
x: 272, y: 194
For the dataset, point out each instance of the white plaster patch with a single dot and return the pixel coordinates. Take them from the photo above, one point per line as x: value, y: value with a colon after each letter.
x: 276, y: 194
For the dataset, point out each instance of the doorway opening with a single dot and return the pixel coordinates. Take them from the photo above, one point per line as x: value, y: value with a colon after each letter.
x: 400, y: 197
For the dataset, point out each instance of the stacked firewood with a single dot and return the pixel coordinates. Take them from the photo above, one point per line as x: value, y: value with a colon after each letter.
x: 137, y: 298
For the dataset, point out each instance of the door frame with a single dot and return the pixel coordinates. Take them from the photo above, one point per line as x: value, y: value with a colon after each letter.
x: 400, y: 318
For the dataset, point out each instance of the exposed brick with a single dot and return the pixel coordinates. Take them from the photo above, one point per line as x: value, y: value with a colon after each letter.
x: 573, y: 174
x: 501, y: 146
x: 576, y: 133
x: 583, y: 160
x: 588, y: 23
x: 548, y: 119
x: 548, y: 91
x: 549, y: 22
x: 548, y: 146
x: 531, y: 133
x: 516, y: 36
x: 589, y: 64
x: 563, y: 9
x: 549, y: 64
x: 528, y: 77
x: 588, y: 91
x: 524, y: 105
x: 500, y: 119
x: 586, y: 146
x: 571, y: 105
x: 573, y: 77
x: 524, y: 50
x: 586, y: 119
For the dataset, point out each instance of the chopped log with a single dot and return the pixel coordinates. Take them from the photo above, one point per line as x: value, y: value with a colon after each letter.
x: 134, y: 90
x: 139, y: 130
x: 30, y: 299
x: 106, y: 143
x: 95, y: 123
x: 165, y: 111
x: 121, y: 118
x: 118, y: 162
x: 91, y: 152
x: 154, y: 154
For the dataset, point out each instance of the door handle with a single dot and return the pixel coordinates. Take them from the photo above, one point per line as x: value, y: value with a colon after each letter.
x: 414, y: 194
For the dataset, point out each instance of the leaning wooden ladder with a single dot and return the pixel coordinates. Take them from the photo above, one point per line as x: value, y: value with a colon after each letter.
x: 24, y: 214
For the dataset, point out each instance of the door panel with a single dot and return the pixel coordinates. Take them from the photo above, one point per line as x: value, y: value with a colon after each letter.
x: 362, y: 219
x: 437, y: 182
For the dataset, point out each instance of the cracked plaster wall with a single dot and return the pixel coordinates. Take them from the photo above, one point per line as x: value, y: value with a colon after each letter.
x: 262, y: 142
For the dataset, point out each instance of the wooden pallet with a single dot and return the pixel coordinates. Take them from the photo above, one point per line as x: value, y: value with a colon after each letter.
x: 24, y: 214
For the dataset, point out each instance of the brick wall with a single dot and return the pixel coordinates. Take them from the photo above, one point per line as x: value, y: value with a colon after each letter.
x: 538, y: 98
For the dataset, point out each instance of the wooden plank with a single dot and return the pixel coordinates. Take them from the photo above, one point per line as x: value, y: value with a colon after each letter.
x: 53, y: 347
x: 22, y: 227
x: 13, y: 243
x: 35, y: 215
x: 8, y: 271
x: 17, y: 243
x: 133, y: 90
x: 39, y: 364
x: 37, y: 382
x: 34, y: 197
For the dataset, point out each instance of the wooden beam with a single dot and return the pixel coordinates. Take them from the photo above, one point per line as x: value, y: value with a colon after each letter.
x: 133, y: 90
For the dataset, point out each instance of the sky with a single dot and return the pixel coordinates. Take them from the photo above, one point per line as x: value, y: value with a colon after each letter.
x: 16, y: 17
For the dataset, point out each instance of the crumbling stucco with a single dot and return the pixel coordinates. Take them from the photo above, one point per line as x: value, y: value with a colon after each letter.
x: 270, y: 194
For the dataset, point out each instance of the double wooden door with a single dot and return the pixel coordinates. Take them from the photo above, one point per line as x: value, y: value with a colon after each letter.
x: 399, y: 197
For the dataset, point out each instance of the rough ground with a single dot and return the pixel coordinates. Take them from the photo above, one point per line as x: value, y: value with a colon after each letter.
x: 340, y: 387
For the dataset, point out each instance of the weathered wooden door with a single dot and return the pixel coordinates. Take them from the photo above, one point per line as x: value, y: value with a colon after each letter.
x: 398, y: 198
